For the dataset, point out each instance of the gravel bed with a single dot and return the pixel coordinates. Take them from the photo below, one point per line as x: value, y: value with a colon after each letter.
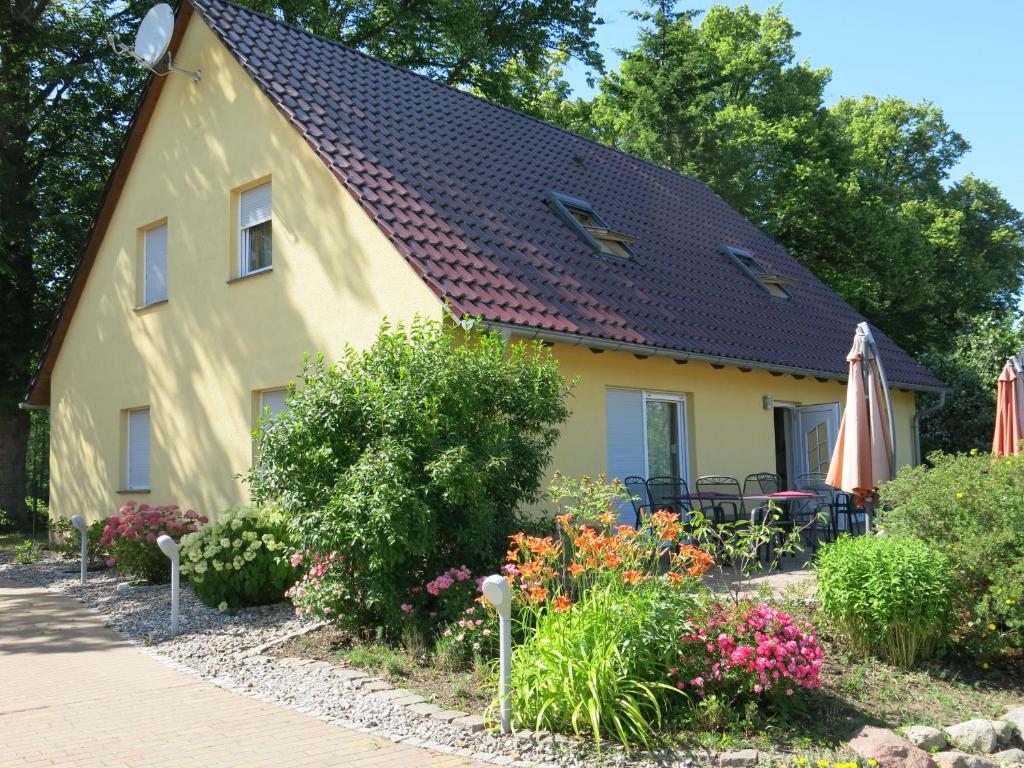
x: 219, y: 647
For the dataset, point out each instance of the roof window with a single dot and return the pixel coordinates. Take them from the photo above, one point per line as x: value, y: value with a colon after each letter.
x: 771, y: 282
x: 582, y: 217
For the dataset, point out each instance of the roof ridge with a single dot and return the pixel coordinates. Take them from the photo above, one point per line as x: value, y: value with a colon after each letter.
x: 406, y: 71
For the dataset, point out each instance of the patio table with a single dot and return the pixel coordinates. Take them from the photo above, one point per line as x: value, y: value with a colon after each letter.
x: 756, y: 497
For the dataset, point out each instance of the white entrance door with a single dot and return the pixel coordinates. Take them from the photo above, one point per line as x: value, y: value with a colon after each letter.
x: 817, y: 427
x: 646, y: 436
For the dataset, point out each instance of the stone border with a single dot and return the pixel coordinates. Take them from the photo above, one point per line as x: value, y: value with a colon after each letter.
x: 260, y: 649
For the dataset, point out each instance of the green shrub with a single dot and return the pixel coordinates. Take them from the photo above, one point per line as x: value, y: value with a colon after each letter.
x: 411, y: 456
x: 69, y: 542
x: 891, y: 597
x: 601, y: 667
x: 240, y: 560
x: 27, y: 552
x: 971, y: 506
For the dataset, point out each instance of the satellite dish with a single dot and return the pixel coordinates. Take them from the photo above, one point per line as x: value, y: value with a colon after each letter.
x: 152, y: 43
x: 154, y: 35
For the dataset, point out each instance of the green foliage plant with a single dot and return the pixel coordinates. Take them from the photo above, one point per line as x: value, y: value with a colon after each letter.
x: 600, y: 633
x: 411, y: 456
x: 971, y: 507
x: 241, y: 559
x: 27, y: 552
x: 69, y: 543
x: 891, y: 597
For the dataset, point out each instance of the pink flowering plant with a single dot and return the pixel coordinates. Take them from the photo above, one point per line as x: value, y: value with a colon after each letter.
x: 130, y: 537
x: 326, y: 585
x: 748, y: 652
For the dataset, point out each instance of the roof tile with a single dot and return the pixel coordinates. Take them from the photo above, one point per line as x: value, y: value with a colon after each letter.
x: 460, y: 184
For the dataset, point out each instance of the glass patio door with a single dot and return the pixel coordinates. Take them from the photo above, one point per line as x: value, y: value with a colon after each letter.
x: 663, y: 422
x: 817, y: 427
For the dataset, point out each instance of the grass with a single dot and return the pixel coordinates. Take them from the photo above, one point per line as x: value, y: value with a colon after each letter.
x: 10, y: 541
x: 859, y: 691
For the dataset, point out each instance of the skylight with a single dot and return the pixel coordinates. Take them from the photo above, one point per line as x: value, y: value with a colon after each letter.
x: 773, y: 283
x: 582, y: 217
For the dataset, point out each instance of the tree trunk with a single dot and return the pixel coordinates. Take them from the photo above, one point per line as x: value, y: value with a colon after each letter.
x: 14, y: 429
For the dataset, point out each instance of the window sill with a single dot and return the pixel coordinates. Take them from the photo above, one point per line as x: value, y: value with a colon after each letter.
x: 133, y: 490
x: 142, y: 308
x: 257, y: 273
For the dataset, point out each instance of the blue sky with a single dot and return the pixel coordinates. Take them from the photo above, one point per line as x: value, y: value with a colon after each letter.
x: 967, y: 58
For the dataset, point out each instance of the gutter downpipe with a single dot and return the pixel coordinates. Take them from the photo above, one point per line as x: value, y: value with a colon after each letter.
x: 922, y: 414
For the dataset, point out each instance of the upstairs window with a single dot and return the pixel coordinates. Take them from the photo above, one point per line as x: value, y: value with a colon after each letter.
x: 154, y: 269
x: 774, y: 284
x: 591, y: 227
x: 254, y: 230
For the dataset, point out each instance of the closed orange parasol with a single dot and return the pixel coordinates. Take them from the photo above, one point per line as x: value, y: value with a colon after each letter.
x: 1009, y: 409
x: 864, y: 454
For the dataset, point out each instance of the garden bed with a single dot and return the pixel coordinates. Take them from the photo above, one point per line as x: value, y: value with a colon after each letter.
x: 471, y: 690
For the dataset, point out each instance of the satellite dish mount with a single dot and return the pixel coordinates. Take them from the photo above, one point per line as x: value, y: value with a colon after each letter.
x: 153, y: 43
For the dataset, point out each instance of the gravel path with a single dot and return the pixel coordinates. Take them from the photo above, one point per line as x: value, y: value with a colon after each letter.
x: 219, y: 647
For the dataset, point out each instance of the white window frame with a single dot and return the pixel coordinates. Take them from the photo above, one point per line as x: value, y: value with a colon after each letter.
x: 243, y: 251
x: 684, y: 448
x: 146, y: 300
x: 260, y: 407
x: 128, y: 450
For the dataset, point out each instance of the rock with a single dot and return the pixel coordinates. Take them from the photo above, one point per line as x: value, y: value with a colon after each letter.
x: 890, y: 750
x: 447, y: 715
x: 423, y: 710
x: 473, y: 723
x: 925, y: 737
x: 976, y: 735
x: 374, y: 685
x: 742, y: 757
x: 962, y: 760
x: 1004, y: 732
x: 343, y: 673
x: 1015, y: 715
x: 1010, y: 757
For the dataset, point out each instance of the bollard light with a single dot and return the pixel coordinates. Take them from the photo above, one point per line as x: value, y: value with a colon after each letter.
x: 170, y: 548
x: 499, y: 594
x: 79, y: 525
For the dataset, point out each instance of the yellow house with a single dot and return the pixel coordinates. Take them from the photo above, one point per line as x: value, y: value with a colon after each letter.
x: 297, y: 193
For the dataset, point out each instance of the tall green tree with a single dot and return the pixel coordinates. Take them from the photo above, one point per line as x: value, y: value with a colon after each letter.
x: 859, y: 192
x: 970, y: 364
x: 479, y: 45
x: 64, y: 100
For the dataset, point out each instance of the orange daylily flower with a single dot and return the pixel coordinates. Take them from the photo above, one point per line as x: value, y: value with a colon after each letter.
x: 575, y: 569
x: 633, y: 577
x: 561, y: 604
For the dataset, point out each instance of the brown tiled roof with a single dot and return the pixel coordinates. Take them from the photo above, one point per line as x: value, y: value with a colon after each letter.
x: 459, y: 185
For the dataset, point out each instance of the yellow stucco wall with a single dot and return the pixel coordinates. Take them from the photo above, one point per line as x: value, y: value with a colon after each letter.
x: 197, y: 359
x: 729, y: 432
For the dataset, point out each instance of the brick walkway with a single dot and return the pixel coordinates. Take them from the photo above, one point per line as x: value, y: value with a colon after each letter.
x: 72, y: 693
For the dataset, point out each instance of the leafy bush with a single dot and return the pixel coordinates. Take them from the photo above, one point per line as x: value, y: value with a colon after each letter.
x: 69, y: 542
x: 5, y: 521
x: 27, y: 552
x: 240, y: 560
x: 970, y: 505
x: 748, y: 651
x: 410, y: 456
x: 131, y: 538
x: 891, y: 597
x: 598, y: 640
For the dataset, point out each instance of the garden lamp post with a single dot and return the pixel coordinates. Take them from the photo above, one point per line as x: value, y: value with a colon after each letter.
x: 169, y: 548
x: 499, y: 594
x: 79, y: 525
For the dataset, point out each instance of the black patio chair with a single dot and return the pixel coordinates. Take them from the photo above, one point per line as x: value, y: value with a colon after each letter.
x: 721, y: 499
x: 816, y: 516
x: 636, y: 487
x: 760, y: 483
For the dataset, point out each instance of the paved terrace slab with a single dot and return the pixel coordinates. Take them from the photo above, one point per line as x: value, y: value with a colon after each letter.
x: 73, y: 693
